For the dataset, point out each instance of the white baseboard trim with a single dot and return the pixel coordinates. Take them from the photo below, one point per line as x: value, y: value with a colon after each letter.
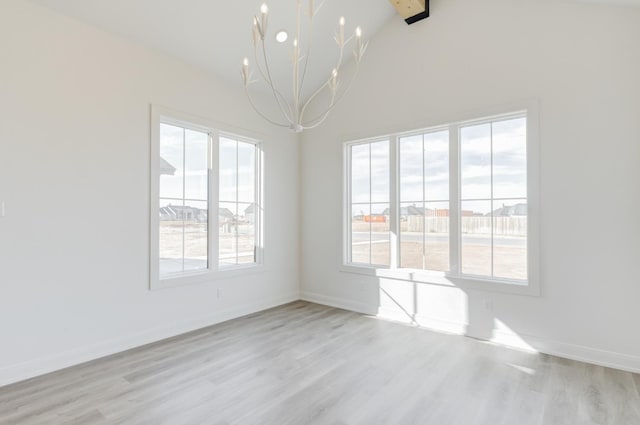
x: 580, y: 353
x: 576, y: 352
x: 430, y: 323
x: 341, y: 303
x: 34, y: 368
x: 42, y: 366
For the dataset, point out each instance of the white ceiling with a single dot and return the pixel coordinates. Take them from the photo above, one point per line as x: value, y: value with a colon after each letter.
x: 612, y: 2
x: 216, y: 35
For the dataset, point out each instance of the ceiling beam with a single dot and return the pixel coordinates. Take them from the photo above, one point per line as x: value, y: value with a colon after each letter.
x: 411, y: 10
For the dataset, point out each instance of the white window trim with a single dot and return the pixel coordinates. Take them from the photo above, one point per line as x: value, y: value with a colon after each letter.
x: 160, y: 115
x: 454, y: 278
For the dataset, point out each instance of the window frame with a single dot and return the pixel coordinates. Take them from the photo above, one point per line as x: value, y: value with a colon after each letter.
x: 349, y: 234
x: 454, y: 277
x: 161, y: 115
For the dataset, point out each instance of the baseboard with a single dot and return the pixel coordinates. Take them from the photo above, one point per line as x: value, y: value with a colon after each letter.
x: 430, y: 323
x: 355, y: 306
x: 42, y: 366
x: 33, y: 368
x: 501, y: 337
x: 576, y: 352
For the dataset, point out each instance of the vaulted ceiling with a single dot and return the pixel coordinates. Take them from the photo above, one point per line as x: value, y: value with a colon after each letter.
x: 216, y: 35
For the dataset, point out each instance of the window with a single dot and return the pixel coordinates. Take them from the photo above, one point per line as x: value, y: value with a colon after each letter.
x: 424, y: 200
x: 238, y: 208
x: 493, y: 198
x: 370, y: 203
x: 184, y: 200
x: 206, y: 209
x: 450, y: 202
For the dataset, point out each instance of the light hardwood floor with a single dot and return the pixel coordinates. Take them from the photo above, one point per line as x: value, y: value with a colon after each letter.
x: 308, y: 364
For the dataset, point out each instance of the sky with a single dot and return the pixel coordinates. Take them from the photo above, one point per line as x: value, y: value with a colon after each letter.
x: 187, y: 151
x: 424, y: 168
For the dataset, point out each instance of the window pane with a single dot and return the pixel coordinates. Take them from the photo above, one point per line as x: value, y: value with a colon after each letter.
x: 380, y: 172
x: 380, y: 243
x: 510, y: 239
x: 424, y: 174
x: 412, y: 235
x: 170, y: 237
x: 475, y: 218
x: 510, y: 159
x: 360, y: 236
x: 436, y: 161
x: 228, y: 170
x: 196, y: 246
x: 436, y: 236
x: 196, y: 165
x: 227, y: 220
x: 411, y: 168
x: 360, y: 183
x: 171, y: 161
x: 246, y: 172
x: 246, y: 233
x: 475, y: 162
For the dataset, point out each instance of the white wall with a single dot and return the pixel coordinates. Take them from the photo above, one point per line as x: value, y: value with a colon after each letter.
x: 582, y: 64
x: 74, y: 175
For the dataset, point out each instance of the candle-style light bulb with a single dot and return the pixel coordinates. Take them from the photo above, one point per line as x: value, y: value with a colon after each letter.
x: 360, y: 45
x: 333, y: 81
x: 341, y: 32
x: 296, y: 51
x: 256, y: 34
x: 245, y: 71
x: 264, y: 10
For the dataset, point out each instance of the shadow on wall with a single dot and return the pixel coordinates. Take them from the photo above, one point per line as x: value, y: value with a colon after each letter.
x: 469, y: 312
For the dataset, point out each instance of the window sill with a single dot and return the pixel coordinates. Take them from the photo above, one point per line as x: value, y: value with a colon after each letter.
x: 207, y: 276
x: 512, y: 287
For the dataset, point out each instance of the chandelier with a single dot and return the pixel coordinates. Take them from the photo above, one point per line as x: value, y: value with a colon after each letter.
x: 294, y: 110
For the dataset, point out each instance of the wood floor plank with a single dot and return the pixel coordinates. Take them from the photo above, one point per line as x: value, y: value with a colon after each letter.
x: 306, y: 364
x: 636, y: 380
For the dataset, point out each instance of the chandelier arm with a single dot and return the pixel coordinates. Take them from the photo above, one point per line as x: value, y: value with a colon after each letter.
x: 296, y: 65
x: 246, y: 89
x: 306, y: 60
x: 288, y: 113
x: 266, y: 80
x: 313, y: 123
x: 258, y: 65
x: 322, y: 87
x: 319, y: 120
